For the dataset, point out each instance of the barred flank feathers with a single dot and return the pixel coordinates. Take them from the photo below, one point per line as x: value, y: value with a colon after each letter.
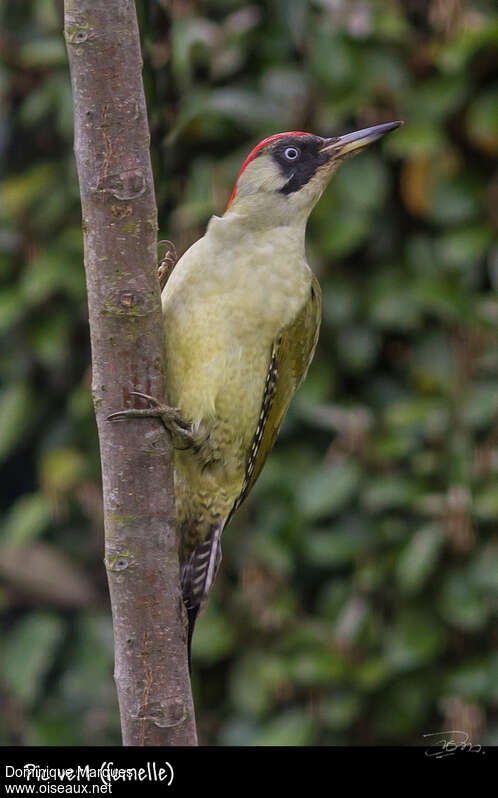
x: 268, y: 396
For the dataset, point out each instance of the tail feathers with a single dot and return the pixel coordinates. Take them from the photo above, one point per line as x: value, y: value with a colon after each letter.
x: 197, y: 576
x: 192, y: 617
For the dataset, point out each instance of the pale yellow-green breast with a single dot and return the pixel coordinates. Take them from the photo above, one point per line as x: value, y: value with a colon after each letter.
x: 224, y: 306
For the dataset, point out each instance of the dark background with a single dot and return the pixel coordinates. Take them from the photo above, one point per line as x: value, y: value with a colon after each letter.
x: 357, y: 599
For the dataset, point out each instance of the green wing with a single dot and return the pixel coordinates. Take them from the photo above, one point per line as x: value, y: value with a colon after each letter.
x: 290, y: 358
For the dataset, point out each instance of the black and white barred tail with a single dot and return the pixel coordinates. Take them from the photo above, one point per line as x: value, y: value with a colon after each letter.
x: 197, y: 575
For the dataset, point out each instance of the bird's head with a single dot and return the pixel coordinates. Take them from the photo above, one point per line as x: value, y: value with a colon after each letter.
x: 284, y: 175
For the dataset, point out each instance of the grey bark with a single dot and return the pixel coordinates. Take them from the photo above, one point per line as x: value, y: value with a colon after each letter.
x: 120, y: 235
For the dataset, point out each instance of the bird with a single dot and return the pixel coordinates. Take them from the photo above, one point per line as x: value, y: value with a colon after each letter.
x: 241, y: 312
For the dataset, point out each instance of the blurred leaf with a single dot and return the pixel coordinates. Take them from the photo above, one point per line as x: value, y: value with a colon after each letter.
x: 475, y: 679
x: 415, y: 639
x: 431, y: 363
x: 341, y: 230
x: 362, y: 182
x: 417, y: 139
x: 27, y: 518
x: 327, y: 489
x: 61, y: 470
x: 16, y: 416
x: 91, y: 660
x: 482, y: 406
x: 214, y: 638
x: 461, y: 603
x: 357, y: 347
x: 11, y: 308
x: 372, y: 674
x: 27, y: 654
x: 313, y: 668
x: 454, y: 199
x: 390, y: 305
x: 467, y: 42
x: 339, y: 303
x: 333, y: 597
x: 51, y: 272
x: 294, y: 727
x: 486, y: 501
x: 403, y: 710
x: 334, y: 60
x: 336, y: 546
x: 436, y: 98
x: 340, y: 710
x: 463, y: 247
x: 419, y: 558
x: 482, y: 121
x: 272, y: 553
x: 253, y: 682
x: 483, y: 568
x: 386, y: 492
x: 45, y: 52
x: 191, y: 39
x: 442, y: 298
x: 20, y: 191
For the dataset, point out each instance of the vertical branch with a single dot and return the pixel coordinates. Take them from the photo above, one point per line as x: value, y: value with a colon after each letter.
x: 120, y: 229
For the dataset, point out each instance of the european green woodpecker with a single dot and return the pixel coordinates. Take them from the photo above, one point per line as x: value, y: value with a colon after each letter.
x: 241, y: 318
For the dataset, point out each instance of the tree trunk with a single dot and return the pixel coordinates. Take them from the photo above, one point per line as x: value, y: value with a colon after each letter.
x: 120, y: 232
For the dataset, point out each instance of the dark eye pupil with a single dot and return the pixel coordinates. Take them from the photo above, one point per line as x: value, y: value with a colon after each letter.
x: 291, y: 153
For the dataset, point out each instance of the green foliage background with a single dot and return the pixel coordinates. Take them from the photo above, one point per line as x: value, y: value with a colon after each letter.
x: 357, y: 598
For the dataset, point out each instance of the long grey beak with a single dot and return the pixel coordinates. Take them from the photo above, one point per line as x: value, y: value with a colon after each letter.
x: 358, y: 139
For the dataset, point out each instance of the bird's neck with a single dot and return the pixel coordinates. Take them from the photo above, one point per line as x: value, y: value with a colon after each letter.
x: 255, y: 228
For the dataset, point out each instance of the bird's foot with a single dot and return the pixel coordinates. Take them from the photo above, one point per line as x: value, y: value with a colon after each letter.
x: 180, y: 430
x: 167, y: 262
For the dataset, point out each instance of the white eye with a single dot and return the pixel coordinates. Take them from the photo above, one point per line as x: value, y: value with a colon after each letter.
x: 291, y: 153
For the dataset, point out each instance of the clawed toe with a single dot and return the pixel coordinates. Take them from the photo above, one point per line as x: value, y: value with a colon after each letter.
x: 171, y: 417
x: 167, y: 263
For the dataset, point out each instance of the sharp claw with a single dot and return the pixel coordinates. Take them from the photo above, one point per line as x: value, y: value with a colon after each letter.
x: 133, y: 412
x: 145, y: 396
x: 168, y: 243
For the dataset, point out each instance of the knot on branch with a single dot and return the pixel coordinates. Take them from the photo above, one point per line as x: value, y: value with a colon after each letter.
x: 163, y: 714
x: 127, y: 299
x: 127, y: 185
x: 117, y: 562
x: 77, y: 29
x: 121, y: 211
x: 127, y: 303
x: 77, y: 36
